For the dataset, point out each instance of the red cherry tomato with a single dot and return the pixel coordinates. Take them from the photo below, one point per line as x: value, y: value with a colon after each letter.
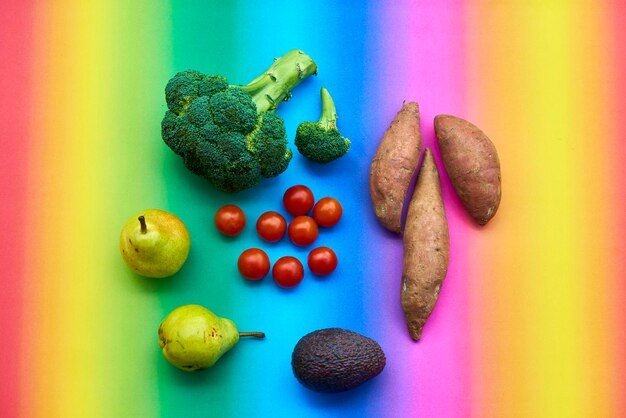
x: 253, y: 264
x: 303, y: 230
x: 322, y: 261
x: 288, y: 271
x: 271, y: 226
x: 230, y: 220
x: 298, y: 200
x: 327, y: 211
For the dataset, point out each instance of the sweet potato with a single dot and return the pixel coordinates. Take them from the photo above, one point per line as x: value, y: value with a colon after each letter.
x: 426, y: 248
x: 393, y: 166
x: 472, y: 163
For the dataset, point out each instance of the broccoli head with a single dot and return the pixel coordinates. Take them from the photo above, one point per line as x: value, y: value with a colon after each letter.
x: 321, y: 141
x: 230, y: 134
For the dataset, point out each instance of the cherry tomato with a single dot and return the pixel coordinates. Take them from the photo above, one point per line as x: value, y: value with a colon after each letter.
x: 298, y: 200
x: 253, y: 264
x: 327, y: 211
x: 322, y: 261
x: 288, y: 271
x: 230, y: 220
x: 303, y: 230
x: 271, y: 226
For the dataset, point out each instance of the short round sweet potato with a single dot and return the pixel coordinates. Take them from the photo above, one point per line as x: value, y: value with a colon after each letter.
x: 473, y: 166
x: 393, y: 166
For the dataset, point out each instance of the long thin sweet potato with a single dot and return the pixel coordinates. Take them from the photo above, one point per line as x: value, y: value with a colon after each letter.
x: 393, y: 166
x: 426, y: 248
x: 472, y: 163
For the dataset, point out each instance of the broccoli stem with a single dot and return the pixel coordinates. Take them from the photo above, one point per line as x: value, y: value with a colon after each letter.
x: 275, y: 84
x: 329, y: 113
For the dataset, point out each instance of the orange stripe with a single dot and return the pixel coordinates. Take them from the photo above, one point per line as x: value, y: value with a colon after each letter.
x: 500, y: 290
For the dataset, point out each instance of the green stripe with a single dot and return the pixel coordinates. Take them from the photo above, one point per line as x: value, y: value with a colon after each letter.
x: 140, y: 62
x: 202, y: 38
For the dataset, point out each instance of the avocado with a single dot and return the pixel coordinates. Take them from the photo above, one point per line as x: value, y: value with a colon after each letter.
x: 335, y: 360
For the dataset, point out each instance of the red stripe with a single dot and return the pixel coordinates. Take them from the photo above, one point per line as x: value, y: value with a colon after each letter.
x: 16, y: 34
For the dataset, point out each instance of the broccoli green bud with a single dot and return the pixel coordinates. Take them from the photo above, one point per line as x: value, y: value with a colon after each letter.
x: 234, y: 110
x: 281, y: 165
x: 193, y: 161
x: 239, y: 170
x: 206, y: 156
x: 210, y: 133
x: 179, y: 135
x: 186, y: 86
x: 240, y: 174
x: 269, y: 144
x: 321, y: 141
x: 229, y: 134
x: 212, y: 84
x: 182, y: 89
x: 198, y: 112
x: 169, y: 131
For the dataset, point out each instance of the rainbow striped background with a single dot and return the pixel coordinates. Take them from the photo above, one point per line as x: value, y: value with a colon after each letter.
x: 530, y: 321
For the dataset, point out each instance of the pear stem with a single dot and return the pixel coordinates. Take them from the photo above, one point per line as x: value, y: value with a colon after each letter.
x: 142, y: 221
x: 252, y: 334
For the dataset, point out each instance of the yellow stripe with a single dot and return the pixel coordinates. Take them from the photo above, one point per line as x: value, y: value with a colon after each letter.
x: 521, y: 90
x: 556, y: 264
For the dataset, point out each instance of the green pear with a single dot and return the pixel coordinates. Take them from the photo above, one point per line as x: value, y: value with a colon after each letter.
x: 155, y: 243
x: 193, y: 338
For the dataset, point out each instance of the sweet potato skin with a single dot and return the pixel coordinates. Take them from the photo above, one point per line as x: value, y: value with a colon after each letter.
x: 472, y: 163
x: 393, y: 166
x: 426, y: 248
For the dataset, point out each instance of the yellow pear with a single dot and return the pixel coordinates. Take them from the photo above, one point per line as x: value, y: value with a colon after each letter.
x: 155, y: 243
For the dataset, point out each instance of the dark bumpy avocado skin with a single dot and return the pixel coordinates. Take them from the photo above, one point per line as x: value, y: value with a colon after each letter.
x: 336, y: 360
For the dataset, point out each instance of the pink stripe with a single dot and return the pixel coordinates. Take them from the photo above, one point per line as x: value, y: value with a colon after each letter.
x: 15, y: 53
x: 425, y: 63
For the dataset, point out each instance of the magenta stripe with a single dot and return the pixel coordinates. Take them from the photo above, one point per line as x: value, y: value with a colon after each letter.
x: 425, y: 63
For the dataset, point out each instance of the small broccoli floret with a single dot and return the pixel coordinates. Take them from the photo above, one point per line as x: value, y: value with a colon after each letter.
x: 234, y: 110
x: 320, y: 144
x: 230, y: 135
x: 321, y: 141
